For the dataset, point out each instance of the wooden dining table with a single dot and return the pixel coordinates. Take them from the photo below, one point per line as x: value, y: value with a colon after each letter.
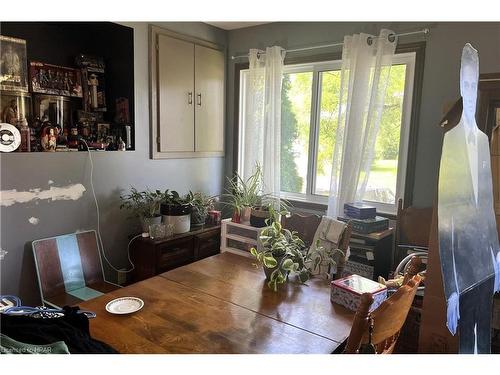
x: 222, y: 304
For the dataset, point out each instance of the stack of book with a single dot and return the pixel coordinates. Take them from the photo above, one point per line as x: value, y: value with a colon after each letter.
x: 364, y: 218
x: 361, y: 259
x: 359, y: 210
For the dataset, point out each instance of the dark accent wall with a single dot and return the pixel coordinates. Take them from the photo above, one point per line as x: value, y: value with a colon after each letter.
x: 58, y: 43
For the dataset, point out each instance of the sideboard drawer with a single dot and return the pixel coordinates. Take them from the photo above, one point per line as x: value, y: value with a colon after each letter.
x: 207, y: 244
x: 152, y: 257
x: 175, y: 254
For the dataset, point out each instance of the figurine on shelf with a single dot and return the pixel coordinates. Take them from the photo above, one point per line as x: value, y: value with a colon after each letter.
x: 49, y: 138
x: 35, y: 132
x: 73, y: 137
x: 22, y: 126
x: 93, y: 83
x: 121, y: 144
x: 10, y: 114
x: 84, y: 130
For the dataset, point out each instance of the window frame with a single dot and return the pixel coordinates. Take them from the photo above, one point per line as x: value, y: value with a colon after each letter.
x: 410, y: 118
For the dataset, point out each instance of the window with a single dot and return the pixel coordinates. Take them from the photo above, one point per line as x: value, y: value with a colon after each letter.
x: 309, y: 119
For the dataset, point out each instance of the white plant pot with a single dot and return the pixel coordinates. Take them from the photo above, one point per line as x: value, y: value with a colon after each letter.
x: 181, y: 223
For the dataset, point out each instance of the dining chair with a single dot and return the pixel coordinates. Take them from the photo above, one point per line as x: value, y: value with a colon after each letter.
x: 304, y: 225
x: 413, y: 226
x: 69, y: 269
x: 387, y: 320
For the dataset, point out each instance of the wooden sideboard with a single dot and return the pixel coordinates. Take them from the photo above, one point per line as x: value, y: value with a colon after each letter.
x: 152, y: 257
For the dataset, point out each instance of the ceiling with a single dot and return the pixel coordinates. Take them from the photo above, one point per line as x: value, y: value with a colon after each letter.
x: 234, y: 25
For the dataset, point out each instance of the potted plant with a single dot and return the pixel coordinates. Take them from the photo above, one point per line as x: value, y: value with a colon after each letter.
x: 281, y: 252
x: 200, y: 203
x: 319, y: 260
x: 243, y: 194
x: 176, y: 210
x: 249, y: 203
x: 144, y: 205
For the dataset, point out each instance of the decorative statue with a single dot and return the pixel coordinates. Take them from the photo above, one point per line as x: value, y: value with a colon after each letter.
x: 49, y: 138
x: 93, y: 82
x: 468, y: 238
x: 10, y: 113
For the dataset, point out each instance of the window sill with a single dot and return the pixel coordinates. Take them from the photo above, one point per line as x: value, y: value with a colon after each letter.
x: 299, y: 206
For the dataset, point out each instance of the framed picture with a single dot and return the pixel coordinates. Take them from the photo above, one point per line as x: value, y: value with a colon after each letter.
x: 103, y: 131
x: 13, y: 64
x: 55, y: 80
x: 56, y: 109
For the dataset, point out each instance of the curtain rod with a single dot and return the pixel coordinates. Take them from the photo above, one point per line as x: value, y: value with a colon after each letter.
x: 423, y: 31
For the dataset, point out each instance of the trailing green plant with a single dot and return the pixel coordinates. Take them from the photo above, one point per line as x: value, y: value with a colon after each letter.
x: 201, y: 200
x: 172, y: 197
x: 282, y: 251
x: 201, y: 204
x: 321, y: 255
x: 144, y: 204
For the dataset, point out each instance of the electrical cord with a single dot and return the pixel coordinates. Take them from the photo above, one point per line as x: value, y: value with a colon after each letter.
x: 99, y: 219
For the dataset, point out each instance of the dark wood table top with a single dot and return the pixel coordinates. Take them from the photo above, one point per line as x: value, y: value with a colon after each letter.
x: 221, y: 304
x: 235, y: 279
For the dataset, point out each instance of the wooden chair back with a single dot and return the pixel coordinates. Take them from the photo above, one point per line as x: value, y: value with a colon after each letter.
x: 67, y: 263
x: 304, y: 225
x: 388, y: 319
x: 413, y: 227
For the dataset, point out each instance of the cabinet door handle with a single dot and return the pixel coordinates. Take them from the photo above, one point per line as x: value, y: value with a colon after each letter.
x: 190, y: 98
x: 199, y: 99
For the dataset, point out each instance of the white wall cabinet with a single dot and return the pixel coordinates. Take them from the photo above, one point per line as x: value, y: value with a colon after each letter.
x: 187, y: 97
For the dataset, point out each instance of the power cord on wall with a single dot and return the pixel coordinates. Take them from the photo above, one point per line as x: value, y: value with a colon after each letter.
x: 99, y: 219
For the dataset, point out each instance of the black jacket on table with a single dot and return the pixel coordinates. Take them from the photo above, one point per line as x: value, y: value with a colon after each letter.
x: 72, y: 328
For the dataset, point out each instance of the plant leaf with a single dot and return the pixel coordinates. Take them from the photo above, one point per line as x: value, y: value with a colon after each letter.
x: 270, y: 262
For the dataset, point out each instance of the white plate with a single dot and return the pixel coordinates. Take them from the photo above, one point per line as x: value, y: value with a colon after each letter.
x: 124, y: 305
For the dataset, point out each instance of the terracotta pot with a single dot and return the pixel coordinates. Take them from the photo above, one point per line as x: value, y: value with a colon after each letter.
x: 236, y: 217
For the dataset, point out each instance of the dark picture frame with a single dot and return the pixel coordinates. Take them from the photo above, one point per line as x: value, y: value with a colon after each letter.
x: 55, y: 80
x: 13, y: 64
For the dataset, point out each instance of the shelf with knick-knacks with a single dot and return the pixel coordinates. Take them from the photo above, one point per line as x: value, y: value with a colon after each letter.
x: 49, y: 123
x: 59, y: 100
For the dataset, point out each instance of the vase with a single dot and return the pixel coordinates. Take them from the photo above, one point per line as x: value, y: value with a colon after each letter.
x: 245, y: 215
x: 147, y: 221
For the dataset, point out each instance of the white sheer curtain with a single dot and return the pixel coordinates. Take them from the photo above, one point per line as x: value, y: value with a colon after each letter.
x: 366, y: 66
x: 262, y: 116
